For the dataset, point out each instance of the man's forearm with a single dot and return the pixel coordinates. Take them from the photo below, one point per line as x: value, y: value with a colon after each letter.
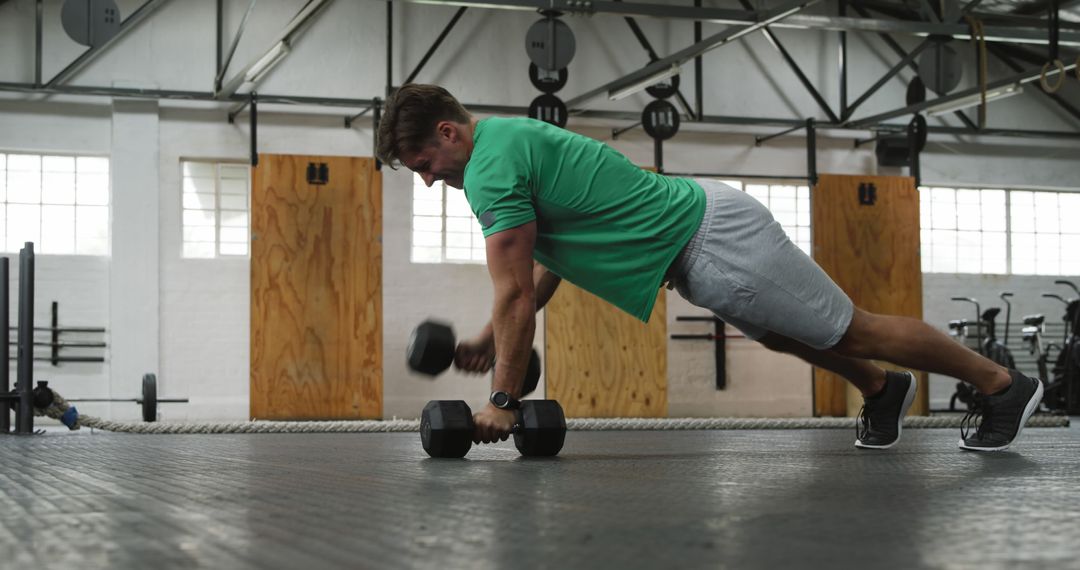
x: 514, y: 324
x: 545, y: 283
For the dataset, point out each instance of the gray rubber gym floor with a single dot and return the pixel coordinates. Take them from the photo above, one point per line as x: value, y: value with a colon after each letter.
x: 704, y: 499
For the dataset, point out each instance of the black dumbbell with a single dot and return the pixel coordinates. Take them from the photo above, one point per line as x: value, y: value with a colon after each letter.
x: 446, y: 428
x: 431, y: 351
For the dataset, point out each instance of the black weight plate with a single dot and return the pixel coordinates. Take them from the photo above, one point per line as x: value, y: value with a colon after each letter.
x: 940, y: 68
x: 550, y: 44
x: 149, y: 397
x: 542, y: 428
x: 917, y: 133
x: 550, y: 109
x: 446, y: 428
x: 665, y: 88
x: 431, y: 348
x: 916, y: 92
x: 660, y: 120
x: 90, y: 22
x: 532, y: 375
x: 547, y: 81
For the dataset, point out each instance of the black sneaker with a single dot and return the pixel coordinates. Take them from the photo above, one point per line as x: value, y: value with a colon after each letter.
x: 882, y: 416
x: 1003, y: 415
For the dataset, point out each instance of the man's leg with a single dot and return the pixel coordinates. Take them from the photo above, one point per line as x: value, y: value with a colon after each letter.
x: 865, y: 375
x: 1010, y: 397
x: 886, y: 395
x: 914, y: 344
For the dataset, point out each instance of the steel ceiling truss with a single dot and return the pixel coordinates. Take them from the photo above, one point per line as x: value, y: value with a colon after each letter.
x: 1028, y: 32
x: 647, y: 46
x: 1012, y: 29
x: 284, y: 40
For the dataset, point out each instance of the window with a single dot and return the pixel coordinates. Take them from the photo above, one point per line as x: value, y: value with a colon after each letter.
x: 444, y: 228
x: 963, y: 230
x: 61, y: 203
x: 1045, y: 232
x: 215, y: 209
x: 790, y: 205
x: 999, y: 231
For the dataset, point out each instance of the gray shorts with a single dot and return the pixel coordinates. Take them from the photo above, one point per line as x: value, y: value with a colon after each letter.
x: 741, y: 266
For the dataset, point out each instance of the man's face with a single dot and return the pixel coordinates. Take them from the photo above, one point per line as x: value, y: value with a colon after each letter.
x: 443, y: 159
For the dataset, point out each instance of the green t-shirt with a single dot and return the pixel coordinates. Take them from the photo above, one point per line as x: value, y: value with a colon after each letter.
x: 603, y: 223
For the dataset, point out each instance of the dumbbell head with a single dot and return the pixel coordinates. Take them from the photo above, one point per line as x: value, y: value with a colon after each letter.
x: 532, y: 374
x: 431, y: 348
x: 149, y: 397
x: 446, y: 428
x: 541, y: 429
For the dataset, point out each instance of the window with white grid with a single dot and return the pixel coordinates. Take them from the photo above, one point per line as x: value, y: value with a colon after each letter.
x: 1045, y: 232
x: 444, y: 228
x: 215, y: 209
x: 963, y: 230
x: 61, y: 203
x: 790, y: 205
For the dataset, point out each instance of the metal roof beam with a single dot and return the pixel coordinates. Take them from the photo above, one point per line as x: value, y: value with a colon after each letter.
x: 682, y: 56
x: 1033, y: 34
x: 278, y: 49
x: 1019, y: 78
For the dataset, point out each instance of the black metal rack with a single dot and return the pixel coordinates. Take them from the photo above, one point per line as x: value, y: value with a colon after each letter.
x: 720, y: 350
x: 56, y: 345
x: 22, y: 398
x: 23, y: 394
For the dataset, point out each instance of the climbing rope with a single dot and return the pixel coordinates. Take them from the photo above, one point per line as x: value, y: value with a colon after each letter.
x: 978, y: 37
x: 61, y: 410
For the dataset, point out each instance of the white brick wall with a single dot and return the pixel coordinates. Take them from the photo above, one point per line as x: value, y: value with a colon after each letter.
x: 194, y: 314
x: 203, y: 304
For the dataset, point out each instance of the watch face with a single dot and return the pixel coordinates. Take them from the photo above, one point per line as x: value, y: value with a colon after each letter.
x: 500, y: 399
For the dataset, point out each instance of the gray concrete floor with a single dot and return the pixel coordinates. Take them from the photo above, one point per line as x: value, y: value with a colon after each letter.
x: 707, y: 499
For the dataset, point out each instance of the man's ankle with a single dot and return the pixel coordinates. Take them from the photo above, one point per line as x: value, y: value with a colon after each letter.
x: 875, y: 388
x: 1001, y: 382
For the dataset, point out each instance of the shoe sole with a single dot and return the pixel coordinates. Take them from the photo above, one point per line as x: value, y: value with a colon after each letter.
x: 908, y: 399
x: 1032, y: 404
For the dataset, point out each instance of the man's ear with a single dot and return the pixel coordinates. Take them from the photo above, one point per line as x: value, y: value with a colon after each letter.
x: 446, y: 130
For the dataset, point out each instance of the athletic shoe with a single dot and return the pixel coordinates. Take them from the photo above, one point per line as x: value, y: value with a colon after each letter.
x: 882, y: 416
x: 1003, y: 415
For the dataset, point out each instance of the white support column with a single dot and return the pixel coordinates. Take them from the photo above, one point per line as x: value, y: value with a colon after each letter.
x: 134, y: 293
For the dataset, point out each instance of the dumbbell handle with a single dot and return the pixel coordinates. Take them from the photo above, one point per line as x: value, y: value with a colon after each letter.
x: 517, y: 427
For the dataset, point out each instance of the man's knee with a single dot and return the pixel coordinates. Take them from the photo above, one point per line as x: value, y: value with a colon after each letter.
x: 777, y: 343
x: 859, y: 339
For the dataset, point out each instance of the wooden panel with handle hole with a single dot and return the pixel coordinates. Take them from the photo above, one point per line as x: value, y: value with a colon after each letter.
x: 866, y: 237
x: 316, y: 289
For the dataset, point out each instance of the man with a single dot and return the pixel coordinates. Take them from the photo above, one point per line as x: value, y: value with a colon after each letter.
x: 585, y: 213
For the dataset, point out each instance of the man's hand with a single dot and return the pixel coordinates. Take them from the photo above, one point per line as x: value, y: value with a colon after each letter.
x: 493, y: 424
x: 475, y: 355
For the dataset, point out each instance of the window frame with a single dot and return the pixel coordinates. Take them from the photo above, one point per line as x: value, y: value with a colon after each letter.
x: 41, y: 204
x: 477, y: 253
x: 797, y: 185
x: 1009, y: 230
x: 218, y: 209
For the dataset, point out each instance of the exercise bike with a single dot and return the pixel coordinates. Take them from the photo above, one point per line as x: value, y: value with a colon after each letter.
x: 1062, y: 382
x: 989, y: 346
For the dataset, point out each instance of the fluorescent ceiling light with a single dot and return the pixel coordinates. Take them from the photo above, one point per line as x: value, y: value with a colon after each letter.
x: 267, y: 62
x: 973, y: 100
x: 617, y: 93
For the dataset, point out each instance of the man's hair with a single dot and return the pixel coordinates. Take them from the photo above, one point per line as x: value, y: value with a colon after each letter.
x: 409, y: 118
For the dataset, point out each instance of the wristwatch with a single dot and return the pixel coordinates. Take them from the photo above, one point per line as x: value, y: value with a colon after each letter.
x: 504, y: 401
